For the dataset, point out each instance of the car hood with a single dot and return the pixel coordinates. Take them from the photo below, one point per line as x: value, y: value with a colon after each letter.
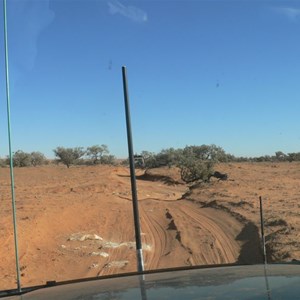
x: 230, y: 282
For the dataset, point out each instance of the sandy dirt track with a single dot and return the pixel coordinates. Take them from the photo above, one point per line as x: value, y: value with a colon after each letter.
x: 77, y: 222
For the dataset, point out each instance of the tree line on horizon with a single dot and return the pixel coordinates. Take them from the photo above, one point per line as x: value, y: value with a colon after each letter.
x: 215, y: 153
x: 195, y: 162
x: 92, y: 155
x: 198, y: 162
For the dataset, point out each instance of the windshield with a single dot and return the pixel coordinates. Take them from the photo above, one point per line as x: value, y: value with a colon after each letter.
x: 213, y: 96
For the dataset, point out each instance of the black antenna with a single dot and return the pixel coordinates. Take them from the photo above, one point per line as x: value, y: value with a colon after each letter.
x: 139, y: 250
x: 262, y: 231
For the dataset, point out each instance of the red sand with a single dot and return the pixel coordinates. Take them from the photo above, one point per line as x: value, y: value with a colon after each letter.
x: 62, y: 214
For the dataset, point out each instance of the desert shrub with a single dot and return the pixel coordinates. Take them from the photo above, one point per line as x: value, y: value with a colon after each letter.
x: 24, y: 159
x: 124, y: 162
x: 108, y: 160
x: 195, y: 162
x: 37, y: 159
x: 295, y: 156
x: 68, y: 156
x: 171, y: 156
x: 280, y: 156
x: 194, y: 167
x: 206, y: 152
x: 230, y: 158
x: 3, y: 162
x: 150, y: 160
x: 168, y: 157
x: 21, y: 159
x: 83, y: 162
x: 96, y: 152
x: 266, y: 158
x: 242, y: 159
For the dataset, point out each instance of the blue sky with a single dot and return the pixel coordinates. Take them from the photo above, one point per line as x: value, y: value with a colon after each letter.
x: 199, y: 72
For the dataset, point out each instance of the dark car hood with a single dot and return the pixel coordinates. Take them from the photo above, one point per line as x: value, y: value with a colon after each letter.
x: 232, y: 282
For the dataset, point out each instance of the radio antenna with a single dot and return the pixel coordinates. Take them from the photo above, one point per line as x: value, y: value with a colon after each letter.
x: 139, y: 250
x: 263, y: 242
x: 10, y: 148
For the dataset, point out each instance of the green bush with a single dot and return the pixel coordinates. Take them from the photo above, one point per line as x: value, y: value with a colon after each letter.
x: 68, y: 156
x: 37, y: 159
x: 108, y: 160
x: 21, y: 159
x: 96, y: 153
x: 194, y: 169
x: 3, y: 162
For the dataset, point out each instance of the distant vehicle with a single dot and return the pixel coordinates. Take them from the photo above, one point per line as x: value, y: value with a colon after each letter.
x: 139, y: 162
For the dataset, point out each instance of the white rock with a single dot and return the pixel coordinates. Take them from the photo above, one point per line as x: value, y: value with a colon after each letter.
x: 111, y: 245
x: 103, y: 254
x: 83, y: 237
x: 117, y: 264
x: 146, y: 247
x: 93, y: 266
x: 90, y: 237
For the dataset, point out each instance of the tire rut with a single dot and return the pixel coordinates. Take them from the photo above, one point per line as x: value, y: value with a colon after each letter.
x: 159, y: 239
x: 217, y: 245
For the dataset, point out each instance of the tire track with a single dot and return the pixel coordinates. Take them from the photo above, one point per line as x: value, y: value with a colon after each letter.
x: 218, y: 246
x: 200, y: 235
x: 159, y: 239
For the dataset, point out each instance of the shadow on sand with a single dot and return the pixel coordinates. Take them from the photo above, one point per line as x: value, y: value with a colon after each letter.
x: 251, y: 251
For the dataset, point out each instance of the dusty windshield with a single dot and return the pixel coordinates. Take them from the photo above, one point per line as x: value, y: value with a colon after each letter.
x: 213, y: 89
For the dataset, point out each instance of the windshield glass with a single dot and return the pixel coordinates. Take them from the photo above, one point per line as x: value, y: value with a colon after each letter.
x: 213, y: 89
